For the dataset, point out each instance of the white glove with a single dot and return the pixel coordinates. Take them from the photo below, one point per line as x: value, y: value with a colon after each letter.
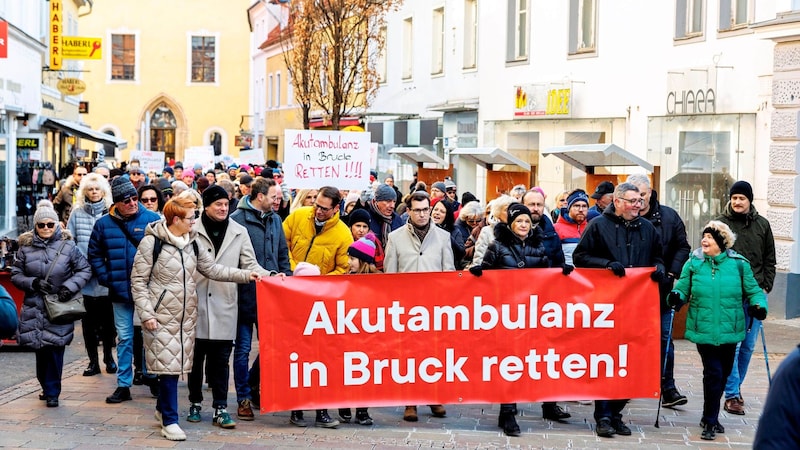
x: 287, y: 194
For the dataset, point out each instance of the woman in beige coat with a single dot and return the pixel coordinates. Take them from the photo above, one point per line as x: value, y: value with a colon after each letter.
x: 165, y: 294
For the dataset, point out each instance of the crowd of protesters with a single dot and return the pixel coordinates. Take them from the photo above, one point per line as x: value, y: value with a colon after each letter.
x: 157, y: 258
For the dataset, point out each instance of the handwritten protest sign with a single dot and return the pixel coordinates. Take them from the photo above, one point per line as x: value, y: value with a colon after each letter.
x: 510, y: 335
x: 149, y: 161
x: 314, y: 158
x: 203, y: 155
x: 252, y: 157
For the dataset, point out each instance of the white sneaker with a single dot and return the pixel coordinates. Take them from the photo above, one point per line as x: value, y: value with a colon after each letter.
x: 157, y: 415
x: 173, y: 432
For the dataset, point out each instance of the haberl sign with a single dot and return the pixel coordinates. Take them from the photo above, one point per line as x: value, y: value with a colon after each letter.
x: 71, y: 86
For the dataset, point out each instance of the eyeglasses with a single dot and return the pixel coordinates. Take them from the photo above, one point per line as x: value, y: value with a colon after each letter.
x: 472, y: 220
x: 420, y: 211
x: 149, y: 199
x: 582, y: 206
x: 632, y: 201
x: 44, y: 225
x: 78, y: 174
x: 136, y: 173
x: 194, y: 217
x: 323, y: 208
x: 451, y: 191
x: 130, y: 200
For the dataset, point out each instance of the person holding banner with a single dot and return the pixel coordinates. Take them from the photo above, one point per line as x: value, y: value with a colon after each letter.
x: 714, y: 281
x: 616, y: 240
x: 419, y: 246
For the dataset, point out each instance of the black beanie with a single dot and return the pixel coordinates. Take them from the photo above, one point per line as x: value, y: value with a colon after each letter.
x: 214, y: 193
x: 515, y: 210
x: 742, y: 188
x: 717, y: 237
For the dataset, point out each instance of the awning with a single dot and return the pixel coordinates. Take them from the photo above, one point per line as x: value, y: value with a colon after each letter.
x: 85, y: 132
x: 588, y: 156
x: 418, y: 155
x: 491, y: 156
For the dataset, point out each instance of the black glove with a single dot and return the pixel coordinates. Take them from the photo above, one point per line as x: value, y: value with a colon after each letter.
x: 757, y: 312
x: 617, y: 268
x: 567, y: 269
x: 658, y: 275
x: 476, y: 270
x: 64, y: 294
x: 674, y: 300
x: 43, y: 286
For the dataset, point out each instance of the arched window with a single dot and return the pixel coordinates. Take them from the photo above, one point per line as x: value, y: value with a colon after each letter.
x: 216, y: 143
x: 162, y: 131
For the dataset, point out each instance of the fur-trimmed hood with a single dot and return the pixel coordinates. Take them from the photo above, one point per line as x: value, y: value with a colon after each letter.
x: 27, y: 238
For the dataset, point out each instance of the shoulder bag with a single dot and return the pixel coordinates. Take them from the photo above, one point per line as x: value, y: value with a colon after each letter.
x: 67, y: 311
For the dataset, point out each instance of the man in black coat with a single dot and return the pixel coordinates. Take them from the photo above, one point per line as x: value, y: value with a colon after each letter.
x: 675, y: 250
x: 601, y: 247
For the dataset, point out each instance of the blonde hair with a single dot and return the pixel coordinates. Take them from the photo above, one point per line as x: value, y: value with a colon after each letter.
x: 93, y: 179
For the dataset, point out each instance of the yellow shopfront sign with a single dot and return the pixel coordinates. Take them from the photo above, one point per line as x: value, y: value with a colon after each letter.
x: 76, y: 47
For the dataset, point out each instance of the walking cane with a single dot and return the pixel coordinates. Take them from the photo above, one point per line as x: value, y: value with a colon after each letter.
x: 664, y: 366
x: 766, y: 357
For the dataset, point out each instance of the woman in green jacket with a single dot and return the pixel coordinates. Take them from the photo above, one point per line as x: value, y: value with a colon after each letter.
x: 716, y: 281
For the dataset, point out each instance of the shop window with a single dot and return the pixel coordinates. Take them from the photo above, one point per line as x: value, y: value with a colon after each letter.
x: 408, y: 48
x: 470, y: 40
x: 437, y: 42
x: 204, y: 59
x: 582, y: 26
x: 123, y: 57
x: 688, y: 18
x: 162, y: 131
x: 733, y: 14
x: 517, y: 34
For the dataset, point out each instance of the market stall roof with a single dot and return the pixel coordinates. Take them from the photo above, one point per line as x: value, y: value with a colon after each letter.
x: 418, y: 155
x: 588, y: 156
x: 85, y: 132
x: 490, y: 156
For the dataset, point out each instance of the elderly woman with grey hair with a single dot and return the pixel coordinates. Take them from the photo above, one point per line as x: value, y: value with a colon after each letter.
x: 463, y: 242
x: 498, y: 209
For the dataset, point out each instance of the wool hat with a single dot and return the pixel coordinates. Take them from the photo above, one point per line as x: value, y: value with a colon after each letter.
x: 467, y: 197
x: 448, y: 183
x: 212, y: 194
x: 515, y: 210
x: 578, y: 196
x: 606, y: 187
x: 440, y: 186
x: 197, y: 166
x: 359, y: 215
x: 742, y: 188
x: 303, y: 269
x: 168, y: 170
x: 122, y: 189
x: 178, y: 165
x: 245, y: 179
x: 202, y: 184
x: 385, y: 193
x: 45, y: 210
x: 187, y: 174
x: 363, y: 249
x: 721, y: 233
x: 163, y: 183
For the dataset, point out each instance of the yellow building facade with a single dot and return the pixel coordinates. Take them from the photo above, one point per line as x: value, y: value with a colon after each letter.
x: 173, y: 75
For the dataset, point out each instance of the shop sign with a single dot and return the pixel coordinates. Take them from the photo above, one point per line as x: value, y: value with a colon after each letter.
x: 3, y: 39
x: 691, y: 102
x: 83, y: 107
x: 27, y: 143
x: 76, y: 47
x: 546, y: 100
x: 71, y: 86
x: 56, y: 27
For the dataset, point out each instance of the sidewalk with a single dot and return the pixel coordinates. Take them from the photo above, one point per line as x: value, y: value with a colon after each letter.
x: 84, y: 420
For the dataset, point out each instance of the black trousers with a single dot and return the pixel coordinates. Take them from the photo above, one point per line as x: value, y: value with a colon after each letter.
x: 213, y: 356
x: 717, y: 365
x: 49, y: 367
x: 98, y: 321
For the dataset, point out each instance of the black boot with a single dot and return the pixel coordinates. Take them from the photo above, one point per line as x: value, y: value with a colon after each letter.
x: 507, y: 421
x: 91, y: 369
x: 324, y: 420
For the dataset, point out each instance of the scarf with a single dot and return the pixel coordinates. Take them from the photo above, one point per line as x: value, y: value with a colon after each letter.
x: 421, y: 232
x: 386, y: 221
x: 216, y: 230
x: 97, y: 208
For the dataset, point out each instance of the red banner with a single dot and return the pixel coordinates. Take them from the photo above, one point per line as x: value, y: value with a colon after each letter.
x: 3, y: 39
x: 424, y: 338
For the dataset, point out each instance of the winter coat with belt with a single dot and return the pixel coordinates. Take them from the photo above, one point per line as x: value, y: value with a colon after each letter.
x: 70, y: 270
x: 754, y: 241
x: 406, y: 253
x: 326, y: 249
x: 165, y: 290
x: 509, y: 251
x: 217, y: 305
x: 714, y: 289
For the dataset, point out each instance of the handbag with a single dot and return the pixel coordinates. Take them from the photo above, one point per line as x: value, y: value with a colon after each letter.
x: 68, y: 311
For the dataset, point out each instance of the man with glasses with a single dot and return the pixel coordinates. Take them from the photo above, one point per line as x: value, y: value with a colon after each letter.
x: 137, y: 176
x: 675, y: 251
x: 419, y: 247
x: 600, y: 247
x: 451, y: 194
x: 66, y: 195
x: 102, y: 170
x: 383, y: 218
x: 112, y: 246
x: 570, y: 226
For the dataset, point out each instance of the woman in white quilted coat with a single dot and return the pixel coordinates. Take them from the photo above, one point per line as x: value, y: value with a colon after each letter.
x: 165, y: 295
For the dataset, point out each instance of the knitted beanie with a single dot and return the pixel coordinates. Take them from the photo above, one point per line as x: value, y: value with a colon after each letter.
x: 440, y: 186
x: 358, y: 216
x: 305, y: 269
x: 385, y: 193
x: 515, y: 210
x: 742, y: 188
x: 122, y: 189
x: 577, y: 196
x: 214, y: 193
x: 45, y: 210
x: 363, y: 249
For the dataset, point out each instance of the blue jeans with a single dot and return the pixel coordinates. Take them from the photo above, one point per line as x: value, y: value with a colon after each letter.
x: 741, y: 361
x: 241, y: 360
x: 49, y: 369
x: 123, y: 321
x: 668, y: 380
x: 167, y: 401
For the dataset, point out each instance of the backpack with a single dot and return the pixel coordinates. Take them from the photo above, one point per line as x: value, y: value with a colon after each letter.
x: 159, y: 243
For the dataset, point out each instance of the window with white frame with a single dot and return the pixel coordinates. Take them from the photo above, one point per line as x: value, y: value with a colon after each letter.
x: 582, y: 26
x: 408, y: 50
x: 381, y: 63
x: 470, y: 40
x: 278, y: 90
x: 269, y: 91
x: 123, y: 57
x: 689, y: 15
x: 733, y: 14
x: 437, y: 43
x: 204, y: 59
x: 518, y: 25
x: 289, y: 89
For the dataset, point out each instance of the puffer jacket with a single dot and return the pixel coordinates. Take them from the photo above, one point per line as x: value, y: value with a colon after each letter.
x: 111, y: 252
x: 326, y: 249
x: 70, y: 270
x: 754, y: 241
x: 714, y: 289
x: 611, y: 238
x: 80, y: 224
x: 165, y: 290
x: 508, y: 251
x: 406, y: 253
x: 569, y: 233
